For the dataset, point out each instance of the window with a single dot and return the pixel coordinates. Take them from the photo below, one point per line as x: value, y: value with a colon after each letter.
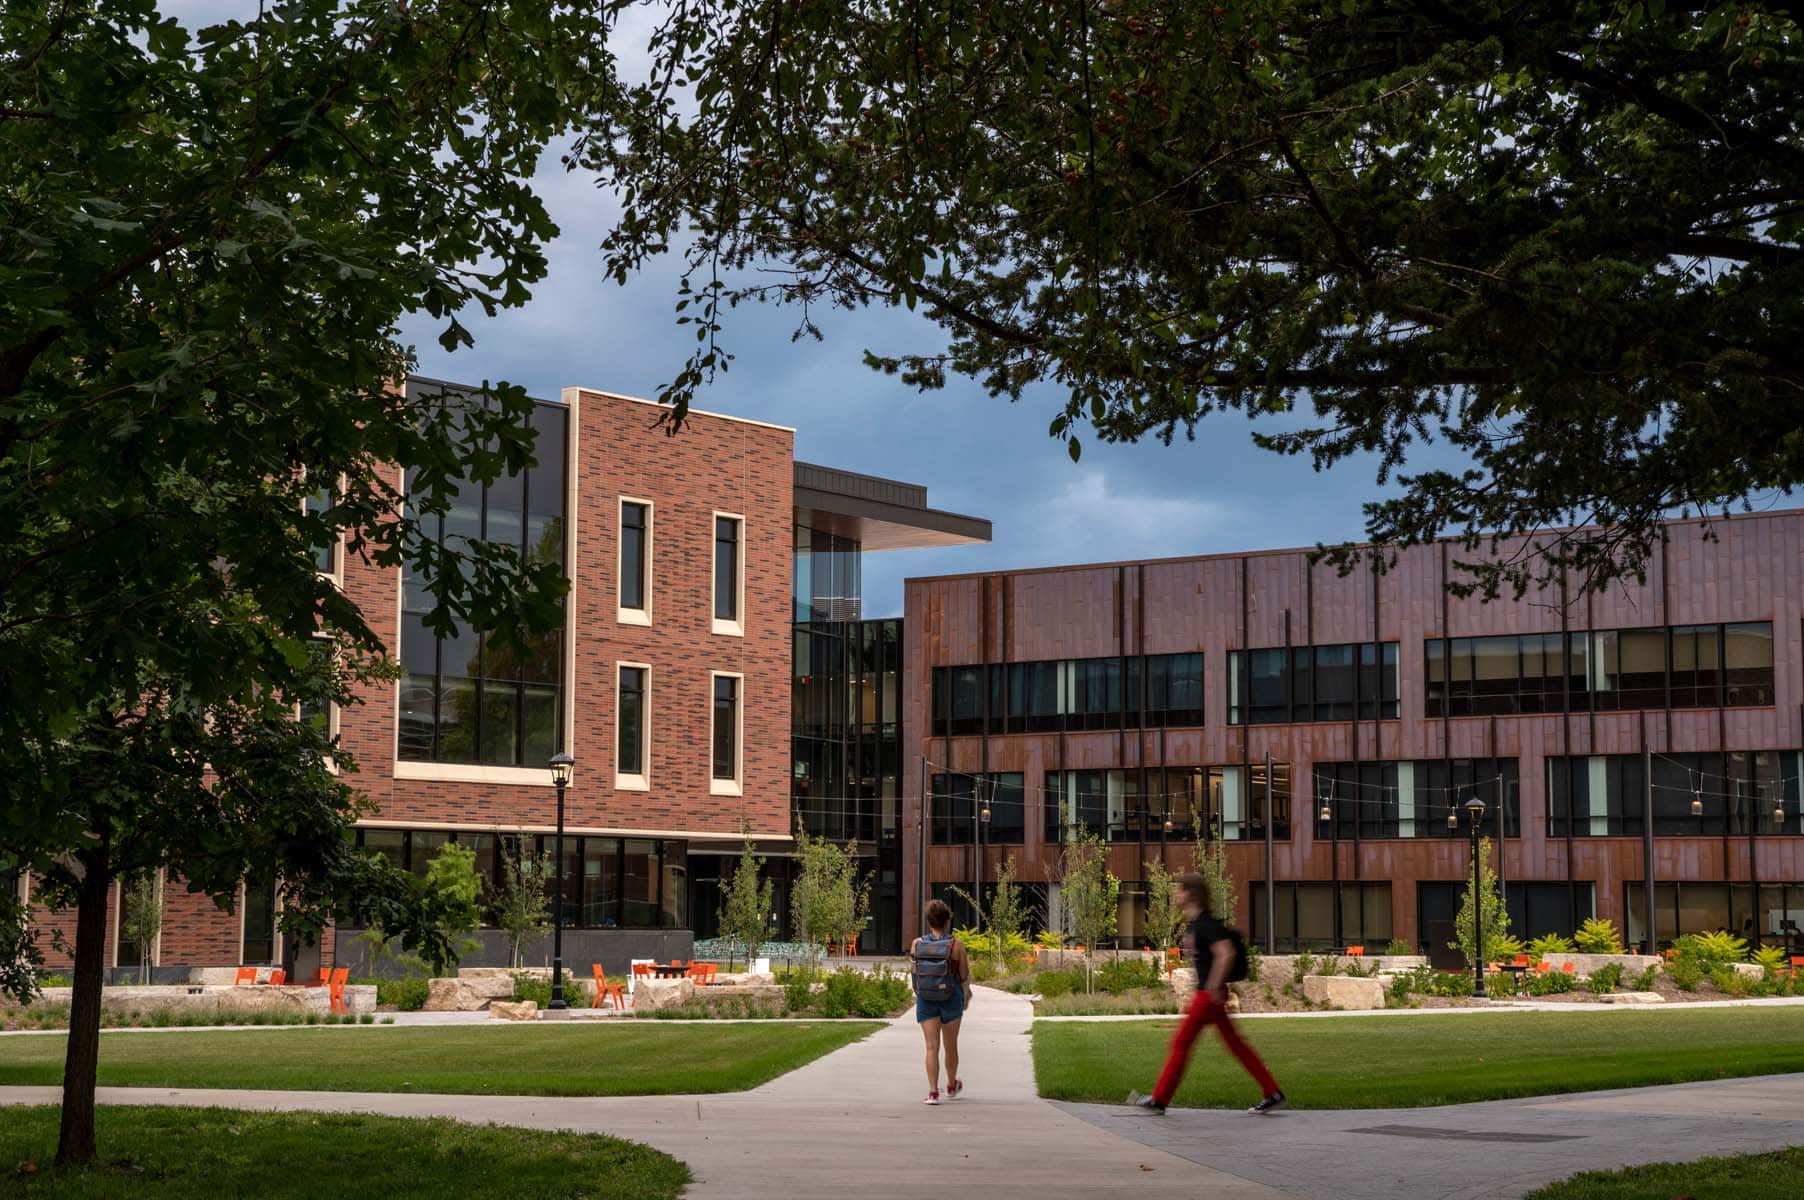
x: 632, y: 731
x: 1279, y: 685
x: 1736, y: 793
x: 1411, y: 799
x: 1134, y: 804
x: 725, y: 769
x: 959, y: 801
x: 1174, y: 690
x: 635, y: 562
x: 1770, y: 914
x: 1068, y: 694
x: 325, y: 551
x: 728, y: 567
x: 1686, y: 666
x: 464, y: 697
x: 259, y: 915
x: 1322, y: 916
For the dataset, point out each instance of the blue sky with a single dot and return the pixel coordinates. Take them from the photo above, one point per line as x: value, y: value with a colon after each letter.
x: 975, y: 454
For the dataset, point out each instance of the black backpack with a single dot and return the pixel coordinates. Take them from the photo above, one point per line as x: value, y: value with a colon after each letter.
x: 935, y: 979
x: 1238, y: 971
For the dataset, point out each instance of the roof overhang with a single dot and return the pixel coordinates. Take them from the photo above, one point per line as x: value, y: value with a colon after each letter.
x: 880, y: 514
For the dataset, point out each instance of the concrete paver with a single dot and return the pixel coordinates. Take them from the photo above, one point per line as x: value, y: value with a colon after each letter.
x: 1490, y: 1151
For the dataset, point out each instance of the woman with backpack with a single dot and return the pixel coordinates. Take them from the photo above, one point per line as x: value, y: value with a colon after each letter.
x: 1219, y: 954
x: 942, y: 982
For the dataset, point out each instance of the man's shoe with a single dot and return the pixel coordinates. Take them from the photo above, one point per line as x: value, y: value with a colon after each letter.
x: 1146, y: 1103
x: 1271, y: 1103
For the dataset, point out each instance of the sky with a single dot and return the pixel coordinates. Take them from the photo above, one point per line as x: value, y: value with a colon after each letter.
x: 975, y: 454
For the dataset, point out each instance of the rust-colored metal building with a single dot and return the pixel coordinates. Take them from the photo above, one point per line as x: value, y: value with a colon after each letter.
x: 1653, y: 722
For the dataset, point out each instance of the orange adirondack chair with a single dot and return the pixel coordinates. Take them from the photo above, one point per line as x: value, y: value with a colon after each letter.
x: 604, y: 989
x: 246, y: 977
x: 1356, y: 951
x: 335, y: 1000
x: 278, y: 977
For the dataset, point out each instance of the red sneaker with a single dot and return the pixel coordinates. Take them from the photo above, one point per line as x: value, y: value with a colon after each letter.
x: 954, y: 1088
x: 932, y: 1098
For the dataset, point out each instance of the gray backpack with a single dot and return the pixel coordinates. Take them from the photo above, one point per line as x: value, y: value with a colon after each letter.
x: 935, y: 979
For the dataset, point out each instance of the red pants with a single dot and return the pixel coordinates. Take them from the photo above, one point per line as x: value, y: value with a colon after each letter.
x: 1205, y: 1011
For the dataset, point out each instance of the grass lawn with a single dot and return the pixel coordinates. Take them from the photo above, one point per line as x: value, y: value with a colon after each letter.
x: 640, y: 1059
x: 1741, y: 1177
x: 202, y: 1152
x: 1410, y: 1061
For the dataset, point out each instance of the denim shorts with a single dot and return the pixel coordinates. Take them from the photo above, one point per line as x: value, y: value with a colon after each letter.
x: 944, y: 1011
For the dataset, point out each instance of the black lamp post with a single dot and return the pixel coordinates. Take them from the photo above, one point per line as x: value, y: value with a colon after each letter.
x: 1475, y: 814
x: 562, y: 767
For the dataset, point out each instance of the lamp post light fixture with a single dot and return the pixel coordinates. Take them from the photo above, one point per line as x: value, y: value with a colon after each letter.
x: 1475, y: 814
x: 562, y: 768
x: 1453, y: 819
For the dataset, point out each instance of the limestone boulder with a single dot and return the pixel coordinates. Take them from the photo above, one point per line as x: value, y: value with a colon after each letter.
x: 514, y: 1010
x: 655, y: 994
x: 1183, y: 985
x: 1748, y: 970
x: 1584, y: 964
x: 460, y: 995
x: 491, y: 983
x: 767, y: 998
x: 1344, y: 991
x: 1633, y: 998
x: 266, y: 1000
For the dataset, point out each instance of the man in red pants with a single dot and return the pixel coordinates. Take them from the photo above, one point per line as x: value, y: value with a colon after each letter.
x: 1220, y: 957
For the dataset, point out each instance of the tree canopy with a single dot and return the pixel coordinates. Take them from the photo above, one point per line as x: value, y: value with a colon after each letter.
x: 207, y: 241
x: 1563, y: 238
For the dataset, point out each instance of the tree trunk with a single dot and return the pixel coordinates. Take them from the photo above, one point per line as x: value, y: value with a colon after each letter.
x: 75, y: 1143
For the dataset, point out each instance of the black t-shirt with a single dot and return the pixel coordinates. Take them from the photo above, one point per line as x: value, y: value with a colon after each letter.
x: 1199, y: 944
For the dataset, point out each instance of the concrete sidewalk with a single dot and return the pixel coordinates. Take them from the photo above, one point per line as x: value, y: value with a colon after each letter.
x: 848, y: 1125
x: 1498, y: 1150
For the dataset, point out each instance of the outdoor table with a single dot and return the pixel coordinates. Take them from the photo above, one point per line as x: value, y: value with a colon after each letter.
x: 668, y: 971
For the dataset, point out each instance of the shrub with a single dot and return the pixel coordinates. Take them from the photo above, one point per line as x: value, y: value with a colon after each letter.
x: 408, y: 995
x: 1124, y: 974
x: 1598, y: 936
x: 1605, y: 979
x: 366, y: 1018
x: 1686, y: 973
x: 1550, y: 983
x: 798, y: 991
x: 530, y: 987
x: 1548, y: 943
x: 1255, y: 963
x: 1303, y: 964
x: 1645, y: 981
x: 1454, y: 984
x: 854, y: 993
x: 1713, y: 949
x: 1048, y: 939
x: 1327, y: 965
x: 1728, y: 981
x: 1398, y: 948
x: 1770, y: 958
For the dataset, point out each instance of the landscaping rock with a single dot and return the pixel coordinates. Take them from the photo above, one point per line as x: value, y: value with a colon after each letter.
x: 1632, y: 998
x: 765, y: 998
x: 1748, y: 970
x: 514, y: 1010
x: 493, y: 983
x: 1343, y: 991
x: 1183, y: 985
x: 461, y: 995
x: 1584, y: 964
x: 654, y: 994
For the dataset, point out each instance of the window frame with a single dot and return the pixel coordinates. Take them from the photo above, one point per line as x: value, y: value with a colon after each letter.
x: 736, y: 785
x: 627, y: 781
x: 734, y: 627
x: 625, y: 614
x: 337, y: 573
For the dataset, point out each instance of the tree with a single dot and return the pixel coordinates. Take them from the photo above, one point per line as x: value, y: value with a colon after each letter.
x: 522, y: 911
x: 1090, y: 894
x: 1372, y: 209
x: 827, y: 900
x: 1218, y: 881
x: 141, y: 917
x: 200, y: 285
x: 745, y: 899
x: 444, y: 899
x: 1497, y: 939
x: 1164, y: 913
x: 1009, y: 913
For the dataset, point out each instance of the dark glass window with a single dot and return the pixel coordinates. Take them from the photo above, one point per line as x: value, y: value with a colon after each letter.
x: 1748, y: 664
x: 631, y: 757
x: 1694, y: 795
x: 958, y: 802
x: 726, y: 568
x: 1174, y: 689
x: 1770, y: 914
x: 726, y: 727
x: 259, y: 920
x: 1322, y: 916
x: 325, y: 551
x: 1313, y: 683
x: 465, y: 697
x: 635, y: 544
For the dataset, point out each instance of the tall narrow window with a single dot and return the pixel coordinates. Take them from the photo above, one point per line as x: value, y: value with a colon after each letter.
x: 727, y: 536
x: 635, y: 561
x: 631, y: 730
x: 325, y: 551
x: 726, y: 734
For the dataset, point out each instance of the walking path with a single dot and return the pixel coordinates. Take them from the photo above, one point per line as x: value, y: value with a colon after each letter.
x: 1491, y: 1151
x: 852, y: 1125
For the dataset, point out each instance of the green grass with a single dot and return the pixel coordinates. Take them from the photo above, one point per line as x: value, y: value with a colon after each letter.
x: 151, y: 1153
x: 639, y: 1059
x: 1739, y: 1177
x: 1410, y: 1061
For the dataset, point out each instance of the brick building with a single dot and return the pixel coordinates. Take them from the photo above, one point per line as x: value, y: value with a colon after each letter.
x: 699, y: 563
x: 1142, y: 700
